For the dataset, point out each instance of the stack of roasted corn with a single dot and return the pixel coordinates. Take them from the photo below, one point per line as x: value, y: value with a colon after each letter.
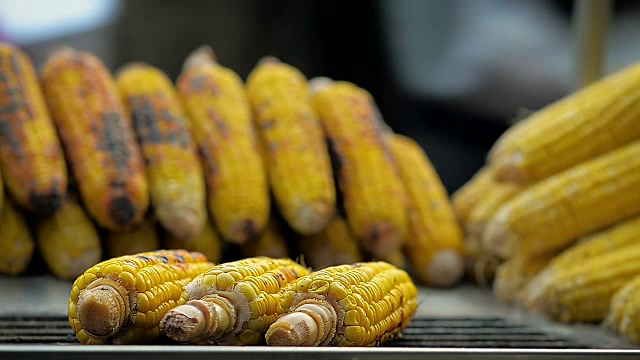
x: 106, y: 165
x: 558, y: 206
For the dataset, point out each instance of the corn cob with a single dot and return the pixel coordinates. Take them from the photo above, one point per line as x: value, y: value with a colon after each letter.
x: 466, y: 197
x: 589, y: 122
x: 553, y: 213
x: 140, y: 238
x: 435, y: 244
x: 1, y: 191
x: 374, y: 198
x: 221, y: 122
x: 174, y: 173
x: 493, y: 198
x: 612, y: 239
x: 16, y: 241
x: 233, y: 303
x: 514, y: 274
x: 271, y: 243
x: 362, y: 304
x: 31, y: 157
x: 623, y: 316
x: 582, y: 293
x: 480, y: 266
x: 98, y: 138
x: 296, y: 154
x: 122, y: 300
x: 207, y: 242
x: 335, y: 245
x: 68, y: 241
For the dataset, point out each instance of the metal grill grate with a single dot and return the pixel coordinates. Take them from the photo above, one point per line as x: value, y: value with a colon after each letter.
x: 423, y: 332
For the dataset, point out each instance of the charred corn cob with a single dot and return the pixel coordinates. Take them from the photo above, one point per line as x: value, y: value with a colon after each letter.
x: 362, y: 304
x: 207, y: 242
x: 232, y: 303
x: 174, y: 173
x: 583, y: 292
x: 587, y: 123
x: 296, y: 154
x: 623, y: 316
x: 31, y: 157
x: 373, y: 195
x: 435, y: 244
x: 68, y: 241
x: 466, y: 197
x: 122, y: 300
x: 16, y: 241
x: 553, y: 213
x: 335, y: 245
x: 514, y: 274
x: 140, y: 238
x: 97, y: 136
x: 271, y: 243
x: 221, y: 122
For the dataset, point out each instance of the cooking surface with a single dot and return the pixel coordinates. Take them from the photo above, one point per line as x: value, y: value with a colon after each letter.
x: 450, y: 322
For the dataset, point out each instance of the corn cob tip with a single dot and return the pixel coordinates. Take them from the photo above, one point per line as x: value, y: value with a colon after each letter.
x: 496, y: 237
x: 268, y: 60
x: 507, y: 169
x: 212, y: 315
x: 101, y: 310
x: 47, y: 204
x: 446, y: 268
x: 309, y: 325
x: 185, y: 224
x: 319, y: 83
x: 202, y: 56
x: 61, y: 50
x: 131, y: 65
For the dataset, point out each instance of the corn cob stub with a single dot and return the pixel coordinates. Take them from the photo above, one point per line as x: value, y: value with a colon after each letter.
x: 221, y: 122
x: 97, y: 137
x: 233, y: 303
x: 16, y: 241
x: 122, y: 300
x: 31, y: 156
x: 362, y: 304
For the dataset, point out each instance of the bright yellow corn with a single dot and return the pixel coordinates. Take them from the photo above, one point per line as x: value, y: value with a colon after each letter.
x: 122, y: 300
x: 140, y: 238
x: 207, y: 242
x: 174, y: 173
x: 296, y: 154
x: 513, y: 275
x: 623, y: 316
x: 232, y: 303
x: 221, y: 122
x: 589, y: 122
x: 98, y: 138
x: 15, y: 240
x: 435, y: 244
x: 271, y: 243
x: 68, y: 241
x: 373, y: 194
x: 361, y: 304
x: 335, y: 245
x: 470, y: 194
x: 553, y: 213
x: 31, y: 157
x: 494, y: 197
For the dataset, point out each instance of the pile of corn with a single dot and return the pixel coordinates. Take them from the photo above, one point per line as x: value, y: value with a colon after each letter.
x: 97, y: 165
x: 553, y: 218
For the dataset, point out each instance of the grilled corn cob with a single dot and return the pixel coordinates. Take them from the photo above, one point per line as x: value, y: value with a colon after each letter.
x: 221, y: 122
x: 470, y: 194
x: 362, y: 304
x: 553, y: 213
x: 97, y: 136
x: 296, y: 154
x: 587, y: 123
x: 493, y: 198
x: 68, y: 240
x: 271, y: 243
x: 140, y: 238
x: 435, y: 244
x: 335, y: 245
x: 16, y: 241
x: 232, y: 303
x: 31, y: 157
x: 174, y: 173
x: 207, y: 242
x: 373, y: 195
x: 623, y: 316
x: 514, y: 274
x: 122, y: 300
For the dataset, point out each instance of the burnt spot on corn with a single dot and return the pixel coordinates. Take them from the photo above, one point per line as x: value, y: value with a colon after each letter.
x: 46, y: 203
x: 122, y: 210
x: 148, y: 117
x: 337, y: 165
x: 115, y: 139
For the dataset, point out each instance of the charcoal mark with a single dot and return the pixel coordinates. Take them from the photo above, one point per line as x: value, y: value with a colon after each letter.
x: 47, y: 203
x: 114, y: 140
x: 177, y: 134
x: 147, y: 124
x: 121, y: 210
x: 198, y: 83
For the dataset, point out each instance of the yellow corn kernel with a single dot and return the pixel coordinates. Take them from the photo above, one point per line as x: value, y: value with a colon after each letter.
x: 361, y: 304
x: 296, y: 154
x: 435, y: 244
x: 31, y: 157
x: 578, y: 127
x: 553, y: 213
x: 373, y: 194
x: 221, y: 122
x: 271, y: 243
x: 122, y: 300
x: 140, y: 238
x: 68, y: 241
x: 482, y: 212
x: 15, y: 240
x: 623, y: 316
x: 97, y: 136
x: 335, y: 245
x: 470, y: 193
x: 207, y: 242
x: 174, y: 173
x: 232, y: 303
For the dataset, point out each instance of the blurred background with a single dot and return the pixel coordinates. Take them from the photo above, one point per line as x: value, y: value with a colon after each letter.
x: 453, y: 74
